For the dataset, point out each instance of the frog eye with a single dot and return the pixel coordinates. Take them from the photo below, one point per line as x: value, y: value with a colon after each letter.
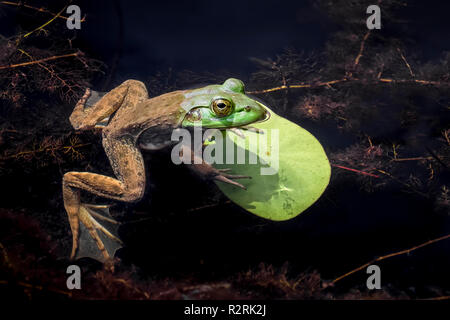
x: 222, y: 107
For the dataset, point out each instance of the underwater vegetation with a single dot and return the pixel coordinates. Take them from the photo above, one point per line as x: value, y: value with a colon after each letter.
x: 377, y: 102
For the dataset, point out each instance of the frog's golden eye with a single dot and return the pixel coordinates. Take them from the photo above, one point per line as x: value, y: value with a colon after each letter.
x: 222, y: 107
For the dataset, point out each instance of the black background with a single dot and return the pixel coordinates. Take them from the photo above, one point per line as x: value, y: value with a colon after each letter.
x: 137, y: 39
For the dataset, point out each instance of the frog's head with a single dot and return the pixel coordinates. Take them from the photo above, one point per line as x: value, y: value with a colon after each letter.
x: 221, y: 106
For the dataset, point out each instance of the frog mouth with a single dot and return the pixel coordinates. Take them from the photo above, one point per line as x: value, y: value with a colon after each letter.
x: 266, y: 112
x: 266, y: 116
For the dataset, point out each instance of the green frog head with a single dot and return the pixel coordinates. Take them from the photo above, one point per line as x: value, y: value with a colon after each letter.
x: 221, y: 106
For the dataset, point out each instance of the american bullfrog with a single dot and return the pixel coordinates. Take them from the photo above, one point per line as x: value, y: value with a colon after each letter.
x: 132, y: 121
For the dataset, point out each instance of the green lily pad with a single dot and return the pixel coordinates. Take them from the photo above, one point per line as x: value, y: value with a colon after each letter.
x: 279, y: 189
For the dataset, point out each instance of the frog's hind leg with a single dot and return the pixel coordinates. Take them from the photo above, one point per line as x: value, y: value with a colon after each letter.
x: 128, y: 93
x: 93, y: 229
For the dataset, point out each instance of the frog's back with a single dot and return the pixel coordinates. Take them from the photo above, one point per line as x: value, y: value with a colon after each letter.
x: 156, y: 117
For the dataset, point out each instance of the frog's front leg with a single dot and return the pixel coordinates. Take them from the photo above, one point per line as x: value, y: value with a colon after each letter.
x: 208, y: 172
x: 128, y: 166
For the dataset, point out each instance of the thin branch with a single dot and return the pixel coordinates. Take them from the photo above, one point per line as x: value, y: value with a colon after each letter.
x: 23, y: 64
x: 357, y: 171
x: 412, y: 159
x: 406, y: 62
x: 51, y: 72
x: 390, y: 256
x: 311, y: 85
x: 360, y: 53
x: 424, y: 82
x: 361, y: 49
x: 44, y: 25
x: 329, y: 83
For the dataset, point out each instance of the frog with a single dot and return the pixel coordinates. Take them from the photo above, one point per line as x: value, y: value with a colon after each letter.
x: 132, y: 122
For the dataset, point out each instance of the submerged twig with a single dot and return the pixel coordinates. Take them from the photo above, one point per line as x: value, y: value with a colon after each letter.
x: 23, y: 64
x: 390, y: 256
x: 44, y: 25
x: 355, y: 170
x: 360, y: 53
x: 406, y: 62
x: 328, y: 83
x: 412, y: 159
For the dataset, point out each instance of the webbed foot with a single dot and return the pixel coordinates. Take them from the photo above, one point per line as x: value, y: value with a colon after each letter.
x: 97, y: 237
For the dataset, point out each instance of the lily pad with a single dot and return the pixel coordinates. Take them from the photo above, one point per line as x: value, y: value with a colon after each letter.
x: 280, y: 189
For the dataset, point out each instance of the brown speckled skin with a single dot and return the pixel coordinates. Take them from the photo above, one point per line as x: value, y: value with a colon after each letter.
x: 134, y: 114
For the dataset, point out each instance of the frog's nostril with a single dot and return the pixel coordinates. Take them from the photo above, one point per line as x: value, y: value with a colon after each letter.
x: 248, y: 108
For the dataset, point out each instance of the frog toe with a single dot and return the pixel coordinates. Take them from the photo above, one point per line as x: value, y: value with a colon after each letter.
x: 227, y: 178
x: 85, y: 97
